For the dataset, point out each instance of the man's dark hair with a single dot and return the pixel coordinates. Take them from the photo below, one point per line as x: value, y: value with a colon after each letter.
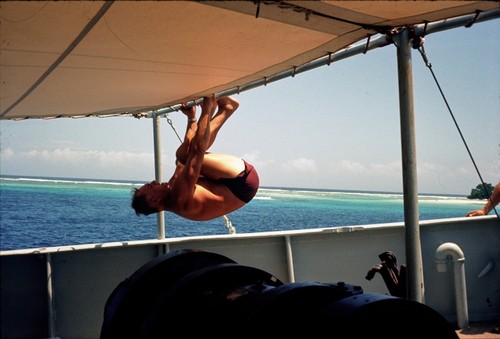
x: 140, y: 203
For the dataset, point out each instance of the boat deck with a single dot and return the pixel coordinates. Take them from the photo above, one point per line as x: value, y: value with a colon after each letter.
x: 484, y: 330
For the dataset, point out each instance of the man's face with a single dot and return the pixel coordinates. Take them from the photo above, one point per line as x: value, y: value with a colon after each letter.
x: 151, y: 195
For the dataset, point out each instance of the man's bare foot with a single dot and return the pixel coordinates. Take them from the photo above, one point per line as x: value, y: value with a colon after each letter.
x: 208, y: 105
x: 227, y: 105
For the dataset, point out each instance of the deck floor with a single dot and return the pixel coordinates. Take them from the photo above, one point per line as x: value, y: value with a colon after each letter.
x: 488, y: 330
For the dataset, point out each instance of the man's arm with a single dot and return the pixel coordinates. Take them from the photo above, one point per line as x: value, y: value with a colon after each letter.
x: 183, y: 150
x: 493, y: 201
x: 185, y: 180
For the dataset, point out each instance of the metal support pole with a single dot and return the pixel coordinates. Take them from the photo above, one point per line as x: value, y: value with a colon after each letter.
x: 160, y: 217
x: 289, y: 259
x: 50, y: 297
x: 415, y: 281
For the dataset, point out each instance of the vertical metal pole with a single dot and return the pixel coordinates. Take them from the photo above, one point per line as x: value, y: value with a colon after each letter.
x: 415, y: 281
x: 160, y: 217
x: 50, y: 297
x: 289, y: 259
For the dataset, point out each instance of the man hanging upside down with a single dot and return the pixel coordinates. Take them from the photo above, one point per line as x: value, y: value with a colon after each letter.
x: 204, y: 185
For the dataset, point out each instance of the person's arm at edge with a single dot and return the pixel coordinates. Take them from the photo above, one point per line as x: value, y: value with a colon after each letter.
x: 488, y: 207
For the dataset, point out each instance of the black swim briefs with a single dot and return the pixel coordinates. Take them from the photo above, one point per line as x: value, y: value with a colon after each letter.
x: 245, y: 185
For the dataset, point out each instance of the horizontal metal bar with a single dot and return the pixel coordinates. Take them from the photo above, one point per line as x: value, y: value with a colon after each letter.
x: 361, y: 48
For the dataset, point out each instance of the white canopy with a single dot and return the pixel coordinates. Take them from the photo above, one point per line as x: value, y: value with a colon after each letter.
x: 95, y: 58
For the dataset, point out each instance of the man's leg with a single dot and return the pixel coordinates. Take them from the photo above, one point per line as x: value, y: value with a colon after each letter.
x: 183, y: 149
x: 216, y: 166
x: 226, y: 107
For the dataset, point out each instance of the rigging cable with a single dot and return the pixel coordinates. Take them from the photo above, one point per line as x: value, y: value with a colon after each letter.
x: 419, y: 44
x: 172, y: 126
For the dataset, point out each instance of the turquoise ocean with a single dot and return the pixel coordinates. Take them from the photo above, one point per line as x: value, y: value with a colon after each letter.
x: 46, y: 212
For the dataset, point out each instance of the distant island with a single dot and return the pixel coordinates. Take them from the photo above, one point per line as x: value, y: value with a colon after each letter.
x: 481, y: 191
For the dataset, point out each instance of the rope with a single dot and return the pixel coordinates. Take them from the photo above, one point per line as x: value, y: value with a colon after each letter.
x: 172, y: 126
x: 419, y: 45
x: 229, y: 225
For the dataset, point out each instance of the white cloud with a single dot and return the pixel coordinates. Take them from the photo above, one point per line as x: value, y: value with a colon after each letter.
x: 386, y: 169
x: 429, y: 168
x: 75, y: 156
x: 7, y: 153
x: 352, y: 166
x: 67, y: 162
x: 346, y: 174
x: 251, y: 157
x: 254, y: 159
x: 378, y: 169
x: 301, y: 165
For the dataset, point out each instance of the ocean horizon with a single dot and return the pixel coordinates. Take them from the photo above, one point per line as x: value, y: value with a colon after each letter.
x: 54, y: 211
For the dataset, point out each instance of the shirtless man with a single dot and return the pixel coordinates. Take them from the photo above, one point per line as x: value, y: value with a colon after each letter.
x: 204, y: 185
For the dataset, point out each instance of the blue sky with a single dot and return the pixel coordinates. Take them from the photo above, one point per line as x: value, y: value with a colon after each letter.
x: 335, y: 127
